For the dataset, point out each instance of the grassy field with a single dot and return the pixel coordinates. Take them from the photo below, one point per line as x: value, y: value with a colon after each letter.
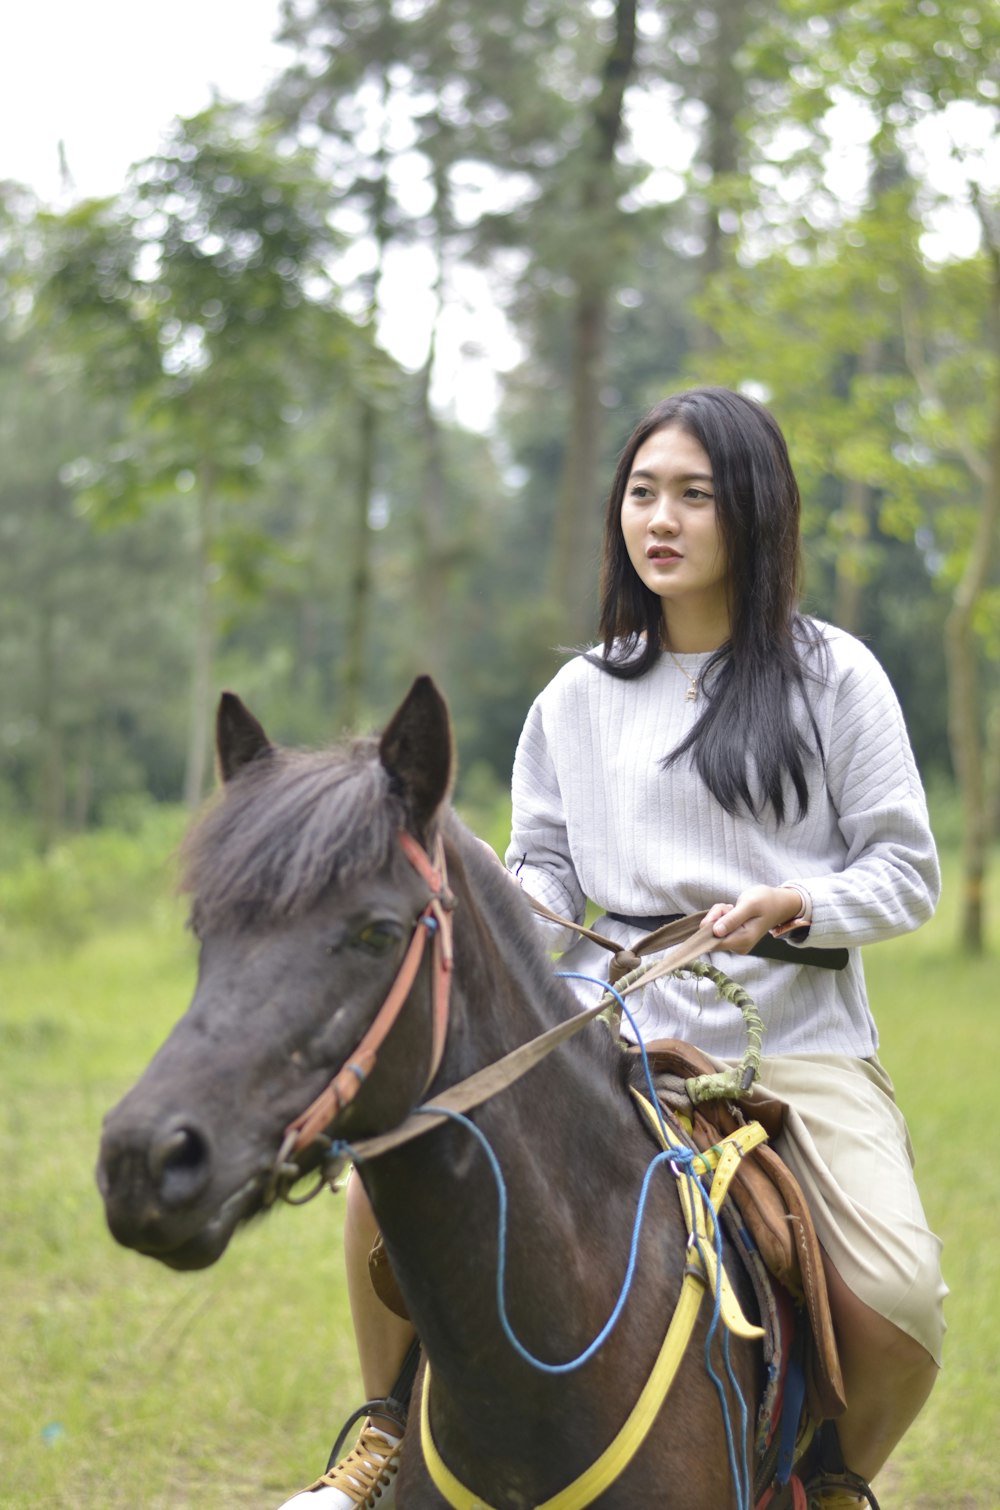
x: 125, y: 1385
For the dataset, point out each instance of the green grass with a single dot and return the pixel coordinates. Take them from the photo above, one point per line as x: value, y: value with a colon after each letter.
x: 127, y: 1385
x: 939, y: 1017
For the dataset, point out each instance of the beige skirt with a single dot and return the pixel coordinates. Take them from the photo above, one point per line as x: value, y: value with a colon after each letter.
x: 847, y: 1144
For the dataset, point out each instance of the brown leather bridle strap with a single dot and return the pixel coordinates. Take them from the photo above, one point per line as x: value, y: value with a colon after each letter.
x: 434, y: 921
x: 441, y: 907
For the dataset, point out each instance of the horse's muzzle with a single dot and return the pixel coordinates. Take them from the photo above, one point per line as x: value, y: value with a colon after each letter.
x: 156, y: 1183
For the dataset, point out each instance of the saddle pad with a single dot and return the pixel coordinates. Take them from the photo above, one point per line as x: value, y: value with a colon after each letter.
x: 771, y: 1203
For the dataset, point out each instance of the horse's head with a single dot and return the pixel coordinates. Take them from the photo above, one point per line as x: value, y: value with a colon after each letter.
x: 304, y: 902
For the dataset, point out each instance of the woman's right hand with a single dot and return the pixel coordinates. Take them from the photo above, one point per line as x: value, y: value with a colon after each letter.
x: 739, y: 925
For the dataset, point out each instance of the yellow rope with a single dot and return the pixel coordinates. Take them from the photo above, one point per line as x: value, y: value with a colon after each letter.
x: 724, y: 1158
x: 617, y: 1456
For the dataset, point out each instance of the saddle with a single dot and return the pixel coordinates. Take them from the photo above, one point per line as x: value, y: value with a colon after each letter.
x: 771, y: 1204
x: 768, y: 1199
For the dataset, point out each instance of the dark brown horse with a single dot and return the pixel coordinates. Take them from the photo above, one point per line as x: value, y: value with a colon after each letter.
x: 304, y: 902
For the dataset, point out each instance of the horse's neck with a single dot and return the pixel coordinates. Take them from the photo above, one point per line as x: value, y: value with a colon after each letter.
x: 562, y: 1136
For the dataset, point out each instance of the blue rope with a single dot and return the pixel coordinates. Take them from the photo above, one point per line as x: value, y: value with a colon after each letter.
x: 501, y: 1285
x: 682, y: 1161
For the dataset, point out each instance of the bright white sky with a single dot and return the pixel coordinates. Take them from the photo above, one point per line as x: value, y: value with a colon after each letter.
x: 106, y: 77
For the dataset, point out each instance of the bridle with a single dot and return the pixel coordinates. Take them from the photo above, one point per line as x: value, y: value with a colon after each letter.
x: 689, y: 938
x: 434, y: 923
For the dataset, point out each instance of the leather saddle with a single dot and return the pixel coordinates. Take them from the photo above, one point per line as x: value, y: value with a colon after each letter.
x: 768, y: 1198
x: 771, y: 1203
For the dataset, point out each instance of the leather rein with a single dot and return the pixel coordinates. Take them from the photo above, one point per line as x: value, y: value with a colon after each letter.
x: 688, y: 936
x: 691, y: 939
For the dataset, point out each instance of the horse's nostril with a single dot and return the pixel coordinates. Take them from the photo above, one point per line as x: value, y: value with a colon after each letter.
x: 179, y: 1162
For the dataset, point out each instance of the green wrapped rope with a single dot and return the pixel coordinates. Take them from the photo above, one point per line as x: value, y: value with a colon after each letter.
x: 728, y: 1085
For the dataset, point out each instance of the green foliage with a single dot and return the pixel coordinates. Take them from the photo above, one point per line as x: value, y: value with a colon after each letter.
x: 56, y: 900
x: 212, y: 270
x: 187, y: 369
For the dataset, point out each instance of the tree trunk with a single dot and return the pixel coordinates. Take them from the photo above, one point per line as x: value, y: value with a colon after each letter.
x: 203, y: 654
x: 52, y: 789
x: 577, y: 525
x: 432, y: 650
x: 849, y: 583
x: 858, y: 511
x: 436, y: 544
x: 723, y: 97
x: 83, y: 788
x: 359, y: 589
x: 965, y: 724
x: 993, y: 775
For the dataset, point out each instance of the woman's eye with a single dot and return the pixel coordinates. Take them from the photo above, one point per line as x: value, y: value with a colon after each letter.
x: 377, y: 938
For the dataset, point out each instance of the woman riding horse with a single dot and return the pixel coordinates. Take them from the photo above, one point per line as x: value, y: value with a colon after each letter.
x: 719, y: 751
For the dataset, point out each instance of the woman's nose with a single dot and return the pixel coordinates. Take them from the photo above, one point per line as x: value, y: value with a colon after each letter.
x: 664, y: 518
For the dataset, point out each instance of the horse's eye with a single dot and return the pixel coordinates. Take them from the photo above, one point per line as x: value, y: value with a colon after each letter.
x: 377, y: 938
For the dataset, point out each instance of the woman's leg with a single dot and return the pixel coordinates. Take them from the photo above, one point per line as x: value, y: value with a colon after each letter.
x: 383, y: 1338
x: 887, y: 1378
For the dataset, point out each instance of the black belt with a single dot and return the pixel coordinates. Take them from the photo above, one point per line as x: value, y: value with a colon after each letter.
x: 765, y: 948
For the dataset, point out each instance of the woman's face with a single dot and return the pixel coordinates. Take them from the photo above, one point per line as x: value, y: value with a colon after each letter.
x: 671, y: 531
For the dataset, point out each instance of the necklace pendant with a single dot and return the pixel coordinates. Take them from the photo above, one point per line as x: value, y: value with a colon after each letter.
x: 691, y: 693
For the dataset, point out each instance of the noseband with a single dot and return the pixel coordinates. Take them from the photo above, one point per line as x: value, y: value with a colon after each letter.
x: 434, y: 923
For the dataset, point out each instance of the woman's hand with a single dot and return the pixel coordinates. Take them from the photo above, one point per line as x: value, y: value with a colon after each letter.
x: 739, y: 925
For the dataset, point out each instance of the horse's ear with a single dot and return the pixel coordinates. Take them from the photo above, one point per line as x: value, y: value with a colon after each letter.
x: 239, y: 738
x: 416, y: 750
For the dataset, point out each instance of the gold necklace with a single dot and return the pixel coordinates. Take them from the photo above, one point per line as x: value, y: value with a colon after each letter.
x: 692, y: 692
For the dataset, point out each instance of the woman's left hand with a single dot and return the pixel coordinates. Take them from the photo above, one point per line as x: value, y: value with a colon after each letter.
x: 739, y: 925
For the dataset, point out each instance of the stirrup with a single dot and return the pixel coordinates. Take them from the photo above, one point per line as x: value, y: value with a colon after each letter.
x: 830, y: 1484
x: 836, y: 1497
x: 840, y: 1491
x: 394, y: 1407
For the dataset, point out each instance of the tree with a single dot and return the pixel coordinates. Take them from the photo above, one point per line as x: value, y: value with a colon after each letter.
x: 203, y: 294
x: 902, y: 387
x: 917, y: 72
x: 77, y: 617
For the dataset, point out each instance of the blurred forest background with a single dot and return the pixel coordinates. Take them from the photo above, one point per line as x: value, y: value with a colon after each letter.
x: 212, y: 473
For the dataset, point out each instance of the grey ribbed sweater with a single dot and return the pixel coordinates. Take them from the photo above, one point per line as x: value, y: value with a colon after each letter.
x: 594, y: 815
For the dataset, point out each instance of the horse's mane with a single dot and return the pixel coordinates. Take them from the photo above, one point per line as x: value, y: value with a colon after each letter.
x: 285, y: 828
x: 293, y: 823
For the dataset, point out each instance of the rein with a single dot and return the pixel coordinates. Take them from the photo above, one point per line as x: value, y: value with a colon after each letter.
x: 667, y: 930
x: 704, y: 1269
x: 689, y: 937
x: 627, y: 957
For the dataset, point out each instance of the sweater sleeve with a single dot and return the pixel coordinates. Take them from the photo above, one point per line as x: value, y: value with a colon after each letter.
x: 890, y: 881
x: 539, y: 851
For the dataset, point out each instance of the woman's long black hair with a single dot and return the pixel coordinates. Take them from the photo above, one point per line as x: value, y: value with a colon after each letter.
x: 747, y: 731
